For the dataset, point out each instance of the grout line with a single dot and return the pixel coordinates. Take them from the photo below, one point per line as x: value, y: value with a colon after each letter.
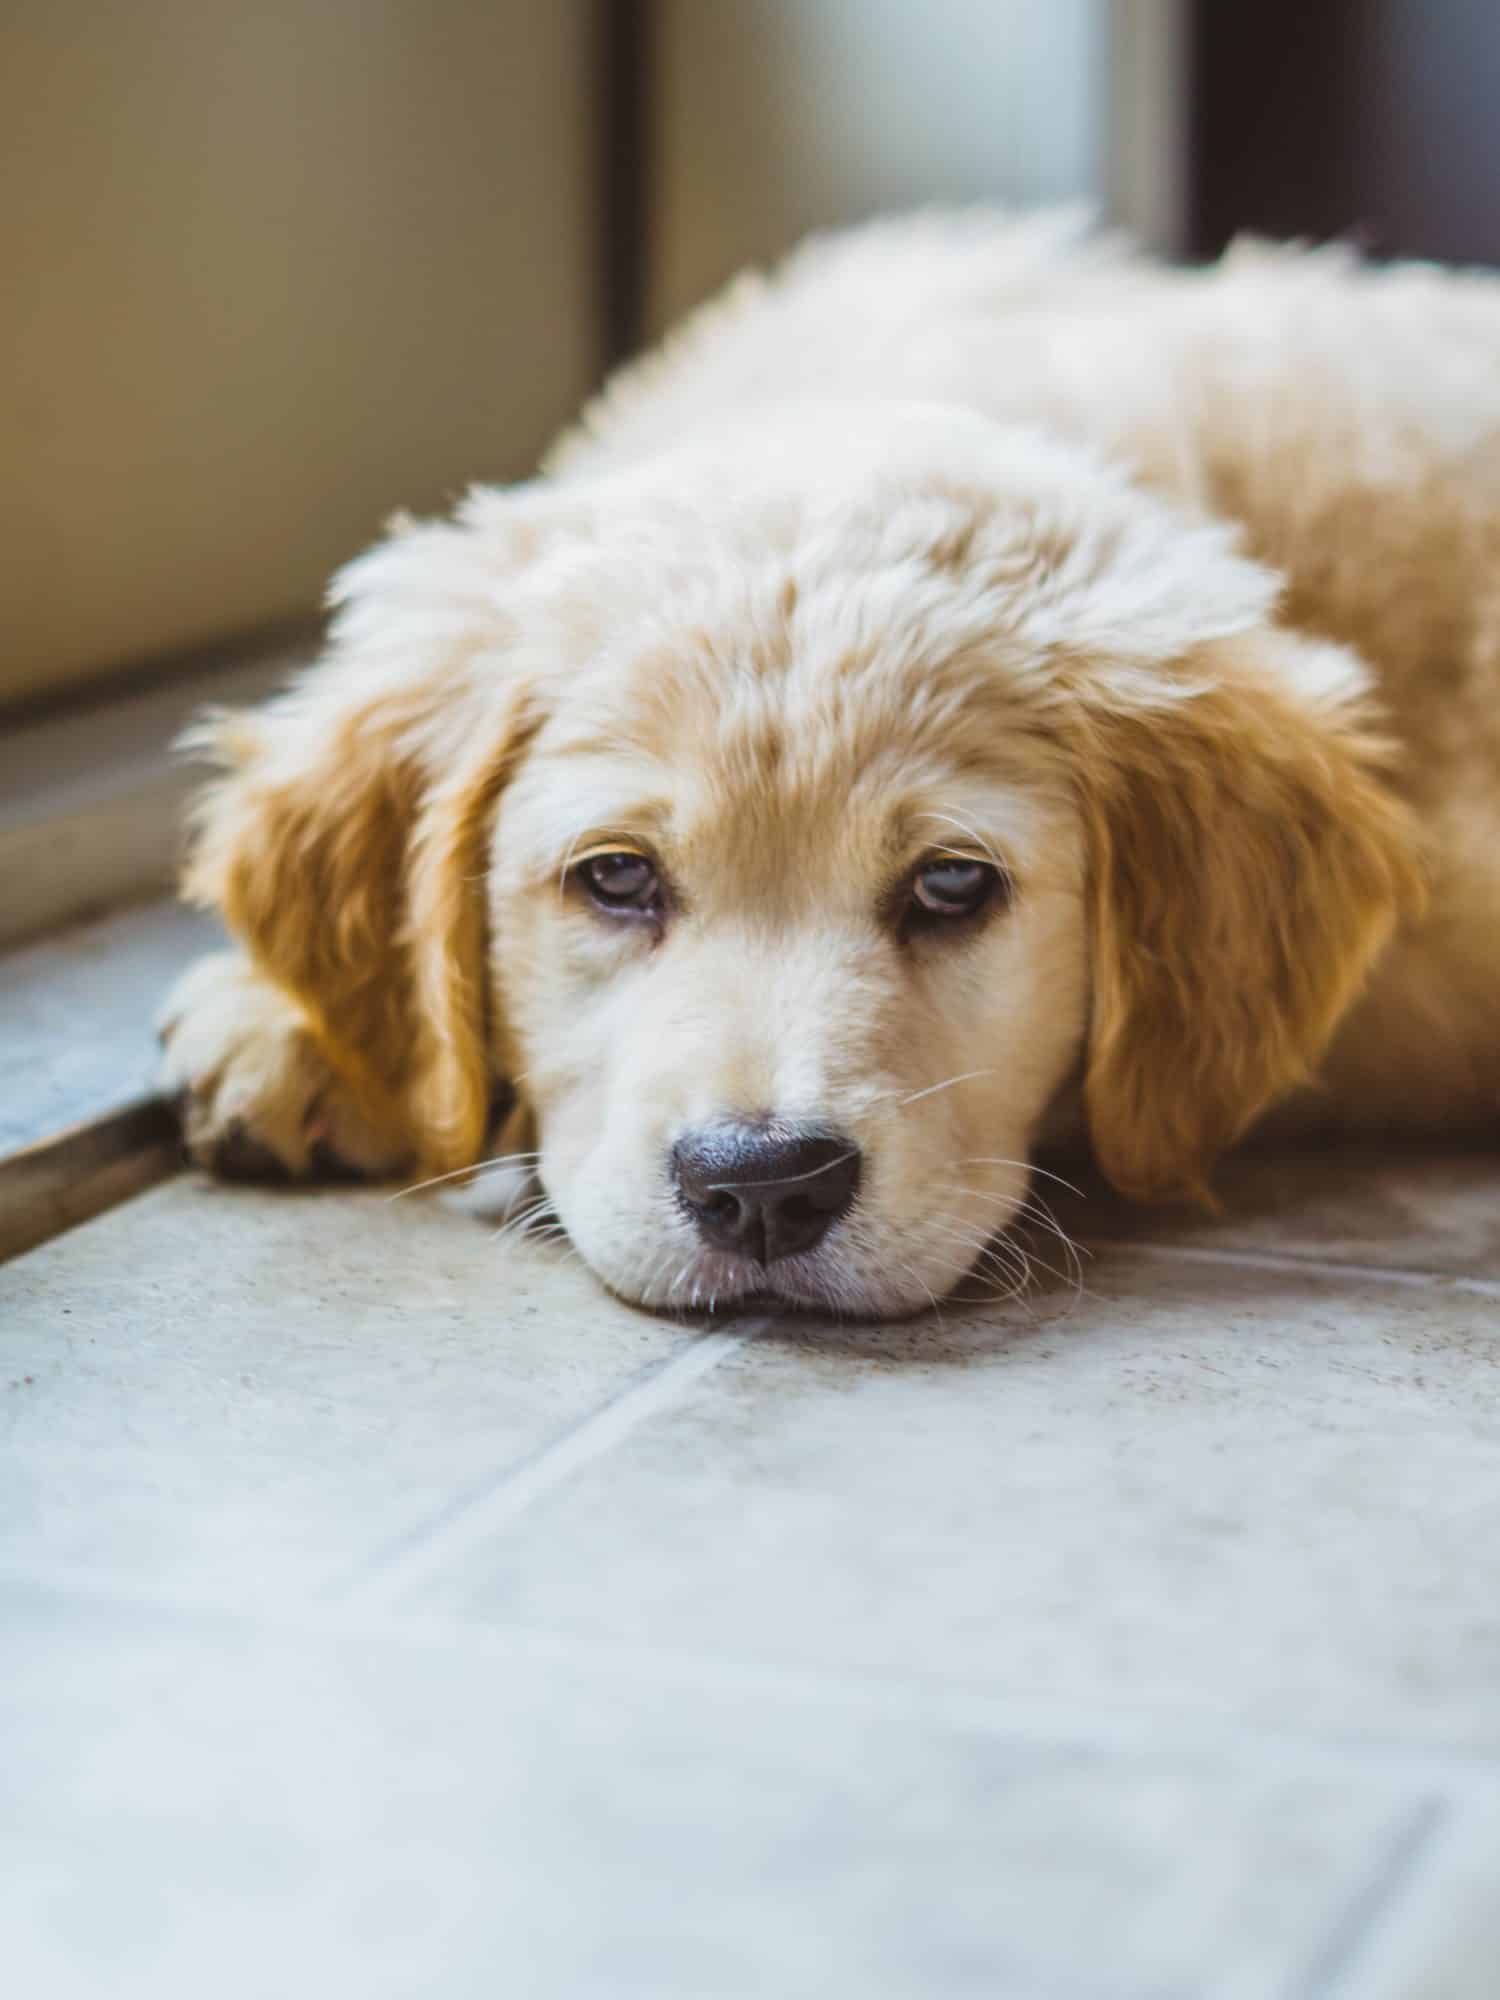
x: 473, y: 1518
x: 1343, y: 1945
x: 1443, y: 1890
x: 1317, y: 1267
x: 923, y: 1700
x: 914, y: 1697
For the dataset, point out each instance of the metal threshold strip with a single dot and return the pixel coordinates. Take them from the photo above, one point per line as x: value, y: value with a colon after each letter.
x: 66, y: 1179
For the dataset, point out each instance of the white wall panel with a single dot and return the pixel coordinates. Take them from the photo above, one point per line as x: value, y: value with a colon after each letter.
x: 778, y: 116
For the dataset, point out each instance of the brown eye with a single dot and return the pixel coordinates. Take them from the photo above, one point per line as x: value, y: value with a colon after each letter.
x: 623, y: 882
x: 949, y: 886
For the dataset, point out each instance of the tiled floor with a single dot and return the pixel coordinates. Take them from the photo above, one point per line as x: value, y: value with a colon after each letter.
x: 77, y: 1013
x: 389, y: 1612
x: 386, y: 1611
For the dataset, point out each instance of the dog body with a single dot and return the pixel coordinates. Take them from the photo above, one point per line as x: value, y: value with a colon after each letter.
x: 973, y: 685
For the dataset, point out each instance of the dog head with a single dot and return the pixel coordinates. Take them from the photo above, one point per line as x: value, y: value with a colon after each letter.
x: 794, y: 819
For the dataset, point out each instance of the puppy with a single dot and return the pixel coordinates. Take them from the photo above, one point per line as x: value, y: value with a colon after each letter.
x: 974, y: 688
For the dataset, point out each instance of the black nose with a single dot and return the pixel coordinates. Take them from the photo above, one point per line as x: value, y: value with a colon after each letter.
x: 765, y: 1190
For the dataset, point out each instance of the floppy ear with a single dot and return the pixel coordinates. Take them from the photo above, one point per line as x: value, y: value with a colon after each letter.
x: 1249, y: 859
x: 345, y: 844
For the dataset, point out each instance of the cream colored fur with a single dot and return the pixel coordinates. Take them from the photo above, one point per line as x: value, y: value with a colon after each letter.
x: 1176, y: 593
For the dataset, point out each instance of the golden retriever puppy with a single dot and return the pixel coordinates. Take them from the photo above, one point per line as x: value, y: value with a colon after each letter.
x: 973, y: 688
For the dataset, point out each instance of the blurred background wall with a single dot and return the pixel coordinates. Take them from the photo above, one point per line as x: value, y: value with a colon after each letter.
x: 270, y: 268
x: 781, y: 116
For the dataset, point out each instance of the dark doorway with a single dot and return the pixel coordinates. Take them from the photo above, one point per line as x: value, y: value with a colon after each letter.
x: 1377, y: 120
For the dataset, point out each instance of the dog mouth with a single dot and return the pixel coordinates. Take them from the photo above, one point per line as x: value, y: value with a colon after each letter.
x: 723, y: 1286
x: 718, y: 1284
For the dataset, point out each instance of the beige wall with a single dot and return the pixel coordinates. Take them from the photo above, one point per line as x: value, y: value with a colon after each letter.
x: 777, y: 116
x: 268, y: 269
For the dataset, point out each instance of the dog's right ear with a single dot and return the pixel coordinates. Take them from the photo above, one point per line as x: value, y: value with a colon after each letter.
x: 345, y: 843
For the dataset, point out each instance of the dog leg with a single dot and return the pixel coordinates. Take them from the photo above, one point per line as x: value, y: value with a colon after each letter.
x: 258, y: 1099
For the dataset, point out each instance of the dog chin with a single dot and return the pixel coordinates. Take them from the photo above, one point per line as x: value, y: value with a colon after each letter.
x: 722, y: 1285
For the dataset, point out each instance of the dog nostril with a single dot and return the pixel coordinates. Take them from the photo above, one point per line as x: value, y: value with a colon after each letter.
x: 797, y: 1208
x: 765, y: 1190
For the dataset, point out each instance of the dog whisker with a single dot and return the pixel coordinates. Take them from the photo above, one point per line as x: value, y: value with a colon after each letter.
x: 948, y: 1082
x: 1003, y: 1259
x: 437, y: 1180
x: 567, y: 863
x: 1034, y: 1209
x: 660, y: 1266
x: 1006, y: 1201
x: 783, y: 1180
x: 976, y: 1248
x: 478, y: 1168
x: 970, y: 833
x: 1070, y: 1275
x: 994, y: 1160
x: 518, y: 1225
x: 910, y: 1271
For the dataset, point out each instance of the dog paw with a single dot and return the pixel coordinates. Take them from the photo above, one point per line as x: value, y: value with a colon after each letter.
x: 256, y: 1099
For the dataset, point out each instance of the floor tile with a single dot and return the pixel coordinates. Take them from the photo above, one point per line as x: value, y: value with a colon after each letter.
x: 246, y: 1396
x: 1259, y: 1494
x: 480, y: 1566
x: 193, y: 1808
x: 1410, y: 1209
x: 77, y: 1013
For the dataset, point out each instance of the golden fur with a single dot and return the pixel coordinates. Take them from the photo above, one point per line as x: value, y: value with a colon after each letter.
x: 1176, y: 593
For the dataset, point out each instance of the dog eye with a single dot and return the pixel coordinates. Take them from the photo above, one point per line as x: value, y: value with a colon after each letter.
x: 952, y: 887
x: 622, y: 881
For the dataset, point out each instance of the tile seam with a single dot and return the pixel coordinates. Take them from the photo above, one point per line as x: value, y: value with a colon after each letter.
x: 1396, y: 1864
x: 1127, y: 1728
x: 390, y: 1577
x: 1316, y: 1267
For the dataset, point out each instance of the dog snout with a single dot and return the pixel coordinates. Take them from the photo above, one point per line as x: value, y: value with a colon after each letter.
x: 765, y: 1190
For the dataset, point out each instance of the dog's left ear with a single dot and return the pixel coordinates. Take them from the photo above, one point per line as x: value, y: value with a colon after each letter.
x: 1249, y: 858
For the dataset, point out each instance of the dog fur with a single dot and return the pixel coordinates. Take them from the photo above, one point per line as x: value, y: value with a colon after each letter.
x: 1175, y: 594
